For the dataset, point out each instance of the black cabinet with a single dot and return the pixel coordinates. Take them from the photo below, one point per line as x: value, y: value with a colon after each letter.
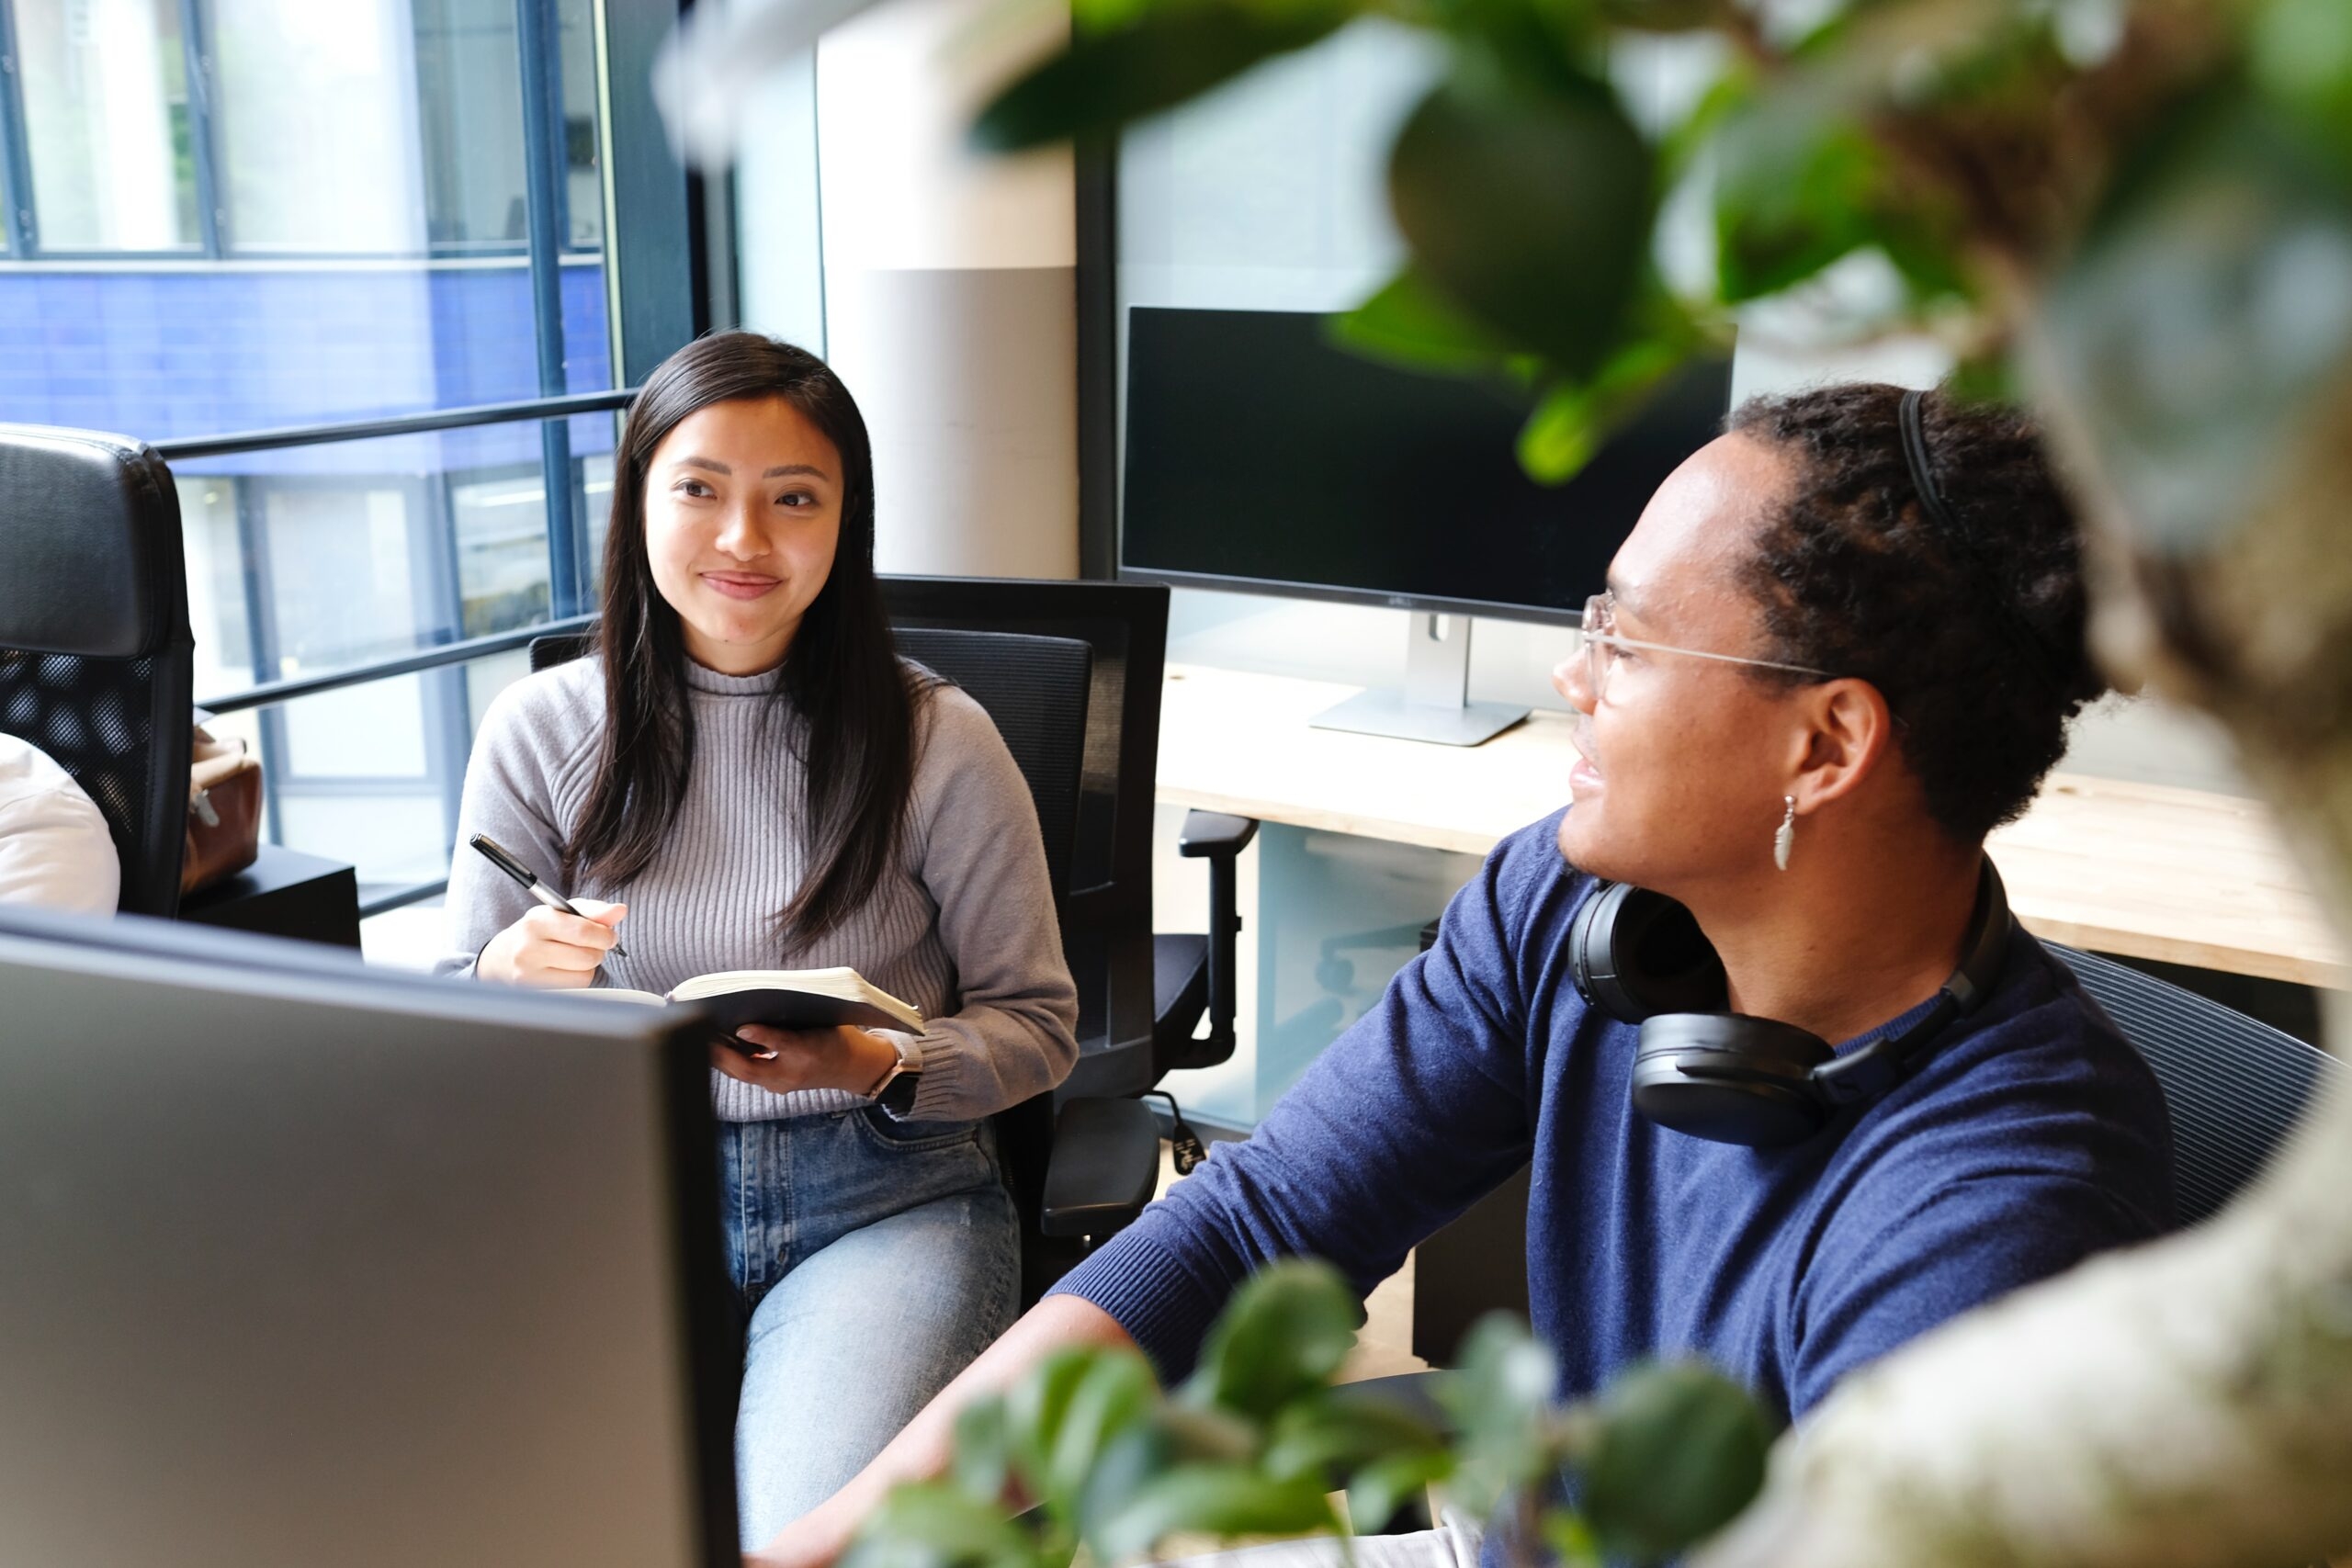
x: 284, y: 893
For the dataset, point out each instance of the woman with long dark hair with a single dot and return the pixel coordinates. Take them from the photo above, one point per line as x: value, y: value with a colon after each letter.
x: 749, y: 766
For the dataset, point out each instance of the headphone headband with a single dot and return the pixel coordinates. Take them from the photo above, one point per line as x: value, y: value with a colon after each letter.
x: 1640, y: 956
x: 1882, y: 1064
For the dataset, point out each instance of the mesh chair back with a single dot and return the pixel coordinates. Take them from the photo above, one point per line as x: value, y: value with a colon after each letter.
x: 1036, y: 689
x: 95, y: 659
x: 1107, y: 918
x: 2233, y: 1087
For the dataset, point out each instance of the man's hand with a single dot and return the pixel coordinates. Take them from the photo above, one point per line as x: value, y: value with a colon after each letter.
x: 551, y: 950
x: 808, y: 1058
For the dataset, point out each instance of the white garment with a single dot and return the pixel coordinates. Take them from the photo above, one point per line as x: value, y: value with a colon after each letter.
x: 1456, y: 1544
x: 55, y: 846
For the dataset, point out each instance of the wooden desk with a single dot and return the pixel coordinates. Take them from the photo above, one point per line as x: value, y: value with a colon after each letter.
x: 2139, y: 869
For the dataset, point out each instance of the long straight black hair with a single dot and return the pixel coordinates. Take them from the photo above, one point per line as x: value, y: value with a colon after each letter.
x: 848, y: 698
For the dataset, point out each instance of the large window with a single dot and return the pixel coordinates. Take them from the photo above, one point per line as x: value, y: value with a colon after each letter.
x: 224, y: 216
x: 104, y: 86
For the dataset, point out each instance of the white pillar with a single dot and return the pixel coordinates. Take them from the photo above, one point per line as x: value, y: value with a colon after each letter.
x: 950, y: 291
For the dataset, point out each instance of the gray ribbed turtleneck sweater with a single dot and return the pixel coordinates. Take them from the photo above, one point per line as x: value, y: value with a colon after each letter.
x: 962, y: 926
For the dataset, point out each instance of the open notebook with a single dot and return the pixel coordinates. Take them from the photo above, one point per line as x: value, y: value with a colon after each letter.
x: 782, y: 999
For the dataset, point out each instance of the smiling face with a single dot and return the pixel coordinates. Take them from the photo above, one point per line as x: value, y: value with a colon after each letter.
x: 1684, y: 759
x: 743, y: 516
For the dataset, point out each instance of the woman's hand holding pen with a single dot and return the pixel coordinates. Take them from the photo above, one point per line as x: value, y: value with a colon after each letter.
x: 807, y: 1059
x: 551, y: 950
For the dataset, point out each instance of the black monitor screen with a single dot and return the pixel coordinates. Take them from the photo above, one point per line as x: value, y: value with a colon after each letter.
x: 1263, y: 455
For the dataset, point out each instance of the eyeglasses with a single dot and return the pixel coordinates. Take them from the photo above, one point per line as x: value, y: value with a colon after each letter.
x: 1604, y: 648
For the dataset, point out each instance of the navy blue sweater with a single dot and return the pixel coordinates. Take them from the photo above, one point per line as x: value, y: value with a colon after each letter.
x: 2032, y: 1136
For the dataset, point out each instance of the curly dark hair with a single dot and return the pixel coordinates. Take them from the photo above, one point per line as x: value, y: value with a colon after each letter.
x: 1977, y: 641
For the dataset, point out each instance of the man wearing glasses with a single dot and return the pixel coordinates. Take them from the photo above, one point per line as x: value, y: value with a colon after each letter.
x: 1842, y: 645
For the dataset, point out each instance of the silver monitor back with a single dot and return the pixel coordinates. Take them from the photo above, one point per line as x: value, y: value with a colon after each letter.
x: 303, y: 1263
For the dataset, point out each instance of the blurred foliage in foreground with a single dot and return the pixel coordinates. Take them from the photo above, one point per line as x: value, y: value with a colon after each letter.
x: 1256, y: 1440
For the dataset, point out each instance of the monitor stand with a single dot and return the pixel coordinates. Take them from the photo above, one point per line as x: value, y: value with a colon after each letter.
x: 1434, y: 704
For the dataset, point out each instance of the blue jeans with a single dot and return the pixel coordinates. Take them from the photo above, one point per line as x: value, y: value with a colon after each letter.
x: 874, y: 1259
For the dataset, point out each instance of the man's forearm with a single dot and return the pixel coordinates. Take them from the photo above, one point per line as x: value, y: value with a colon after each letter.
x: 924, y: 1449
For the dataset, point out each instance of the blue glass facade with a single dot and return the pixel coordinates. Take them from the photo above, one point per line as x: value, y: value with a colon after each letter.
x: 202, y: 349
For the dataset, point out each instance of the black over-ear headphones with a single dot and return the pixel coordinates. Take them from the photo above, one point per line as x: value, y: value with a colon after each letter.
x: 1726, y: 1076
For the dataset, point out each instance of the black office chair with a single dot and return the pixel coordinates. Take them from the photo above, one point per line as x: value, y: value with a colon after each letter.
x: 1083, y: 1163
x: 1142, y: 995
x: 2234, y: 1087
x: 96, y: 658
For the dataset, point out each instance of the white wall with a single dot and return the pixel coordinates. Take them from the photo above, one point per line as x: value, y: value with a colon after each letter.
x: 947, y: 296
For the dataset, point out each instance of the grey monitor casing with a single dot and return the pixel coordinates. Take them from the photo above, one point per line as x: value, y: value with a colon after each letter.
x: 302, y: 1263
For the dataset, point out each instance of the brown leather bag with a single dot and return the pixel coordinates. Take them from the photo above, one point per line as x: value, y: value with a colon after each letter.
x: 223, y: 810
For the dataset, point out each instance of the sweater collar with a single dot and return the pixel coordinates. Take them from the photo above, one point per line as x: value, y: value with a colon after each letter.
x: 701, y: 678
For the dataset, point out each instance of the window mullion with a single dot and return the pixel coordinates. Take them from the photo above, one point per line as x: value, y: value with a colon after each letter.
x: 211, y: 221
x: 15, y: 154
x: 535, y: 37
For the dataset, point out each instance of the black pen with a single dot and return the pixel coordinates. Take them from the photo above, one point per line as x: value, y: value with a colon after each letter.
x: 495, y: 853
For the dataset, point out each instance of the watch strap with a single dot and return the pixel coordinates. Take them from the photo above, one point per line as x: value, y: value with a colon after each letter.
x: 895, y: 1091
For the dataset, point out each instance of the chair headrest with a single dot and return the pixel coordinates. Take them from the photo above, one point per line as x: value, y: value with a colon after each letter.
x: 90, y: 560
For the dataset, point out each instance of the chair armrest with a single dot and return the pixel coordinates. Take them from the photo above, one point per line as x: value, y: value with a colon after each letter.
x: 1104, y: 1164
x: 1214, y: 835
x: 1220, y: 839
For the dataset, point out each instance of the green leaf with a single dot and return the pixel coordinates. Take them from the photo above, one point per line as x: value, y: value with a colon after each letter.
x: 983, y: 1462
x: 1795, y: 187
x: 1677, y: 1452
x: 1203, y: 1432
x: 1124, y: 1467
x: 1116, y: 1393
x: 1573, y: 418
x: 1287, y: 1331
x: 1162, y: 58
x: 1034, y: 1406
x: 1411, y: 324
x: 1501, y: 1402
x: 2301, y: 55
x: 1215, y: 1500
x: 2205, y: 319
x: 1529, y: 210
x: 1343, y: 1432
x: 1385, y: 1485
x: 932, y: 1525
x: 1569, y: 1539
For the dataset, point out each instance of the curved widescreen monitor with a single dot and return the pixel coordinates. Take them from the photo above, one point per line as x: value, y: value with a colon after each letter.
x: 1261, y: 456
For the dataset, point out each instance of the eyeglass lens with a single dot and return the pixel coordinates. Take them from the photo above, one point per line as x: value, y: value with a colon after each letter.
x: 1594, y: 629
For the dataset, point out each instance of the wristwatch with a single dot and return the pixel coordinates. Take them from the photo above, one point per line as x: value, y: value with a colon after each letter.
x: 895, y: 1091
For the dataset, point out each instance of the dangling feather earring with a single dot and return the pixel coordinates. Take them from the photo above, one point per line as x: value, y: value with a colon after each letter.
x: 1786, y: 834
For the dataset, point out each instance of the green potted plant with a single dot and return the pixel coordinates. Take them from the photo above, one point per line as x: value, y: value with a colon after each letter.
x: 1259, y: 1441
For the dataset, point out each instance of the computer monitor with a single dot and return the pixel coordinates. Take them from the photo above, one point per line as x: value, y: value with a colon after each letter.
x: 1264, y: 456
x: 310, y: 1263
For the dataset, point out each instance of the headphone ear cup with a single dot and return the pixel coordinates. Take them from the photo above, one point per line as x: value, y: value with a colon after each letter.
x: 1731, y: 1079
x: 1636, y: 953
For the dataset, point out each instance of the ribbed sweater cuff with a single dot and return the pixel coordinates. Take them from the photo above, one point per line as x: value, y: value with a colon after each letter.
x: 1154, y: 1297
x: 945, y: 1093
